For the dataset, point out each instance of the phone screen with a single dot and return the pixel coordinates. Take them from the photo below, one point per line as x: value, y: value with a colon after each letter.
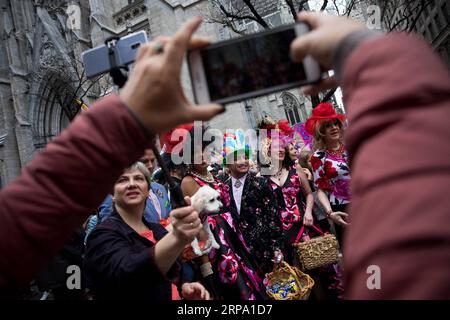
x: 250, y: 65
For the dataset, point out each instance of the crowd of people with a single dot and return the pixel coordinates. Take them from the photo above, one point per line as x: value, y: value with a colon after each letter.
x: 138, y: 245
x: 261, y: 218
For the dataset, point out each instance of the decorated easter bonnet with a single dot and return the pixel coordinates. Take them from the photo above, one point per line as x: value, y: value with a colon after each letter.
x: 233, y: 145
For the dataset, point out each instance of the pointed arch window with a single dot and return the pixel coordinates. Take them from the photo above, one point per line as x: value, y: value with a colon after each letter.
x: 295, y: 113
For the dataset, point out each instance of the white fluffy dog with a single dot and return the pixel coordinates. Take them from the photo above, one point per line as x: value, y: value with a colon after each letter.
x: 206, y: 200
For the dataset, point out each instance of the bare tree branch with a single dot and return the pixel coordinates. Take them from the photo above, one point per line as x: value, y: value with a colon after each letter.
x: 226, y: 22
x: 336, y: 7
x: 301, y: 5
x: 90, y: 86
x: 324, y: 5
x: 424, y: 5
x: 258, y: 17
x: 394, y: 15
x: 329, y: 95
x: 410, y: 14
x: 349, y: 8
x: 292, y: 8
x: 236, y: 16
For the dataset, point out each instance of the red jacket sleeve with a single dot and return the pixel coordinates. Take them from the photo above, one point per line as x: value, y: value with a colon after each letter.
x: 397, y: 94
x: 64, y: 183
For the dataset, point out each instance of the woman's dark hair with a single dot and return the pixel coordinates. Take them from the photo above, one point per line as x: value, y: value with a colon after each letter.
x: 287, y: 161
x: 216, y: 168
x: 158, y: 175
x: 305, y: 157
x: 167, y: 159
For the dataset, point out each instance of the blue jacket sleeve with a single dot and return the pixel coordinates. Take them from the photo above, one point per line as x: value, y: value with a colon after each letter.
x: 105, y: 209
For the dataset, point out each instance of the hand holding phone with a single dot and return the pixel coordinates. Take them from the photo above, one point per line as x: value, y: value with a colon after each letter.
x: 322, y: 43
x: 250, y: 66
x: 153, y: 90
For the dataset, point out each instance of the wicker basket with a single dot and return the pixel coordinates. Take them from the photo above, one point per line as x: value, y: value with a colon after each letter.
x: 283, y: 275
x: 318, y: 252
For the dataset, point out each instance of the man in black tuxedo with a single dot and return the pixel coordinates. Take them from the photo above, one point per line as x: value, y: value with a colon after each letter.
x: 254, y: 206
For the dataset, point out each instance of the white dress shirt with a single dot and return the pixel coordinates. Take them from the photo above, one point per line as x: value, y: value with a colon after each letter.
x: 237, y: 191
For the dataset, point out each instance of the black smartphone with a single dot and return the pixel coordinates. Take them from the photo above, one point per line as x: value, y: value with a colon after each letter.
x: 250, y: 66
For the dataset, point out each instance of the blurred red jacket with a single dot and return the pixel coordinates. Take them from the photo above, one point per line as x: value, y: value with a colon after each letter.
x: 397, y: 95
x: 62, y: 186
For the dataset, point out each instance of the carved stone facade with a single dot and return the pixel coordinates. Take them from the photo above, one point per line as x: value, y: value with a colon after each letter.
x: 38, y: 79
x: 41, y: 75
x: 130, y: 14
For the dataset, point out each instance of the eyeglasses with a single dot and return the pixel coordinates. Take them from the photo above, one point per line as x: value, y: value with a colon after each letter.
x: 333, y: 123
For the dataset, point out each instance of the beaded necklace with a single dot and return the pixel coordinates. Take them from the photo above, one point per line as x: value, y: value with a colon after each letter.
x: 336, y: 153
x: 208, y: 178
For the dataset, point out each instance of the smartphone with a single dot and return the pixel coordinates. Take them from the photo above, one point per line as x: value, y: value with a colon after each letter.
x: 96, y: 60
x: 250, y: 66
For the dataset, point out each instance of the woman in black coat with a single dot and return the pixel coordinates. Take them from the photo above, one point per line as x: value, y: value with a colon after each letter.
x: 129, y: 258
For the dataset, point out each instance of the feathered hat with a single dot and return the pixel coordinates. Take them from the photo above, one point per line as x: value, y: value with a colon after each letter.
x: 282, y: 128
x: 232, y: 144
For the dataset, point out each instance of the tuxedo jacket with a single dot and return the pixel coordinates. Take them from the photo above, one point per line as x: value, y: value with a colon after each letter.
x: 258, y: 220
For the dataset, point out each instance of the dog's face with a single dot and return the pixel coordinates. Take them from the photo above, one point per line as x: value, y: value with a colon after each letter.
x: 206, y: 199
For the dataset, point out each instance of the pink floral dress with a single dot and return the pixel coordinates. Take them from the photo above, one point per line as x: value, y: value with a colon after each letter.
x: 291, y: 204
x: 291, y: 208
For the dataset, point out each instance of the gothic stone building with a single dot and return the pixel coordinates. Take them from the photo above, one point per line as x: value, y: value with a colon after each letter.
x: 41, y: 76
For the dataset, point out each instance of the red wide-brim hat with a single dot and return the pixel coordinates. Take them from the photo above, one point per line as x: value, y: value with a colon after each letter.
x: 323, y: 111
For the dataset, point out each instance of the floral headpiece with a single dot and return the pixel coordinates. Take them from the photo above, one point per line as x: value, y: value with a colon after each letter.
x: 282, y: 128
